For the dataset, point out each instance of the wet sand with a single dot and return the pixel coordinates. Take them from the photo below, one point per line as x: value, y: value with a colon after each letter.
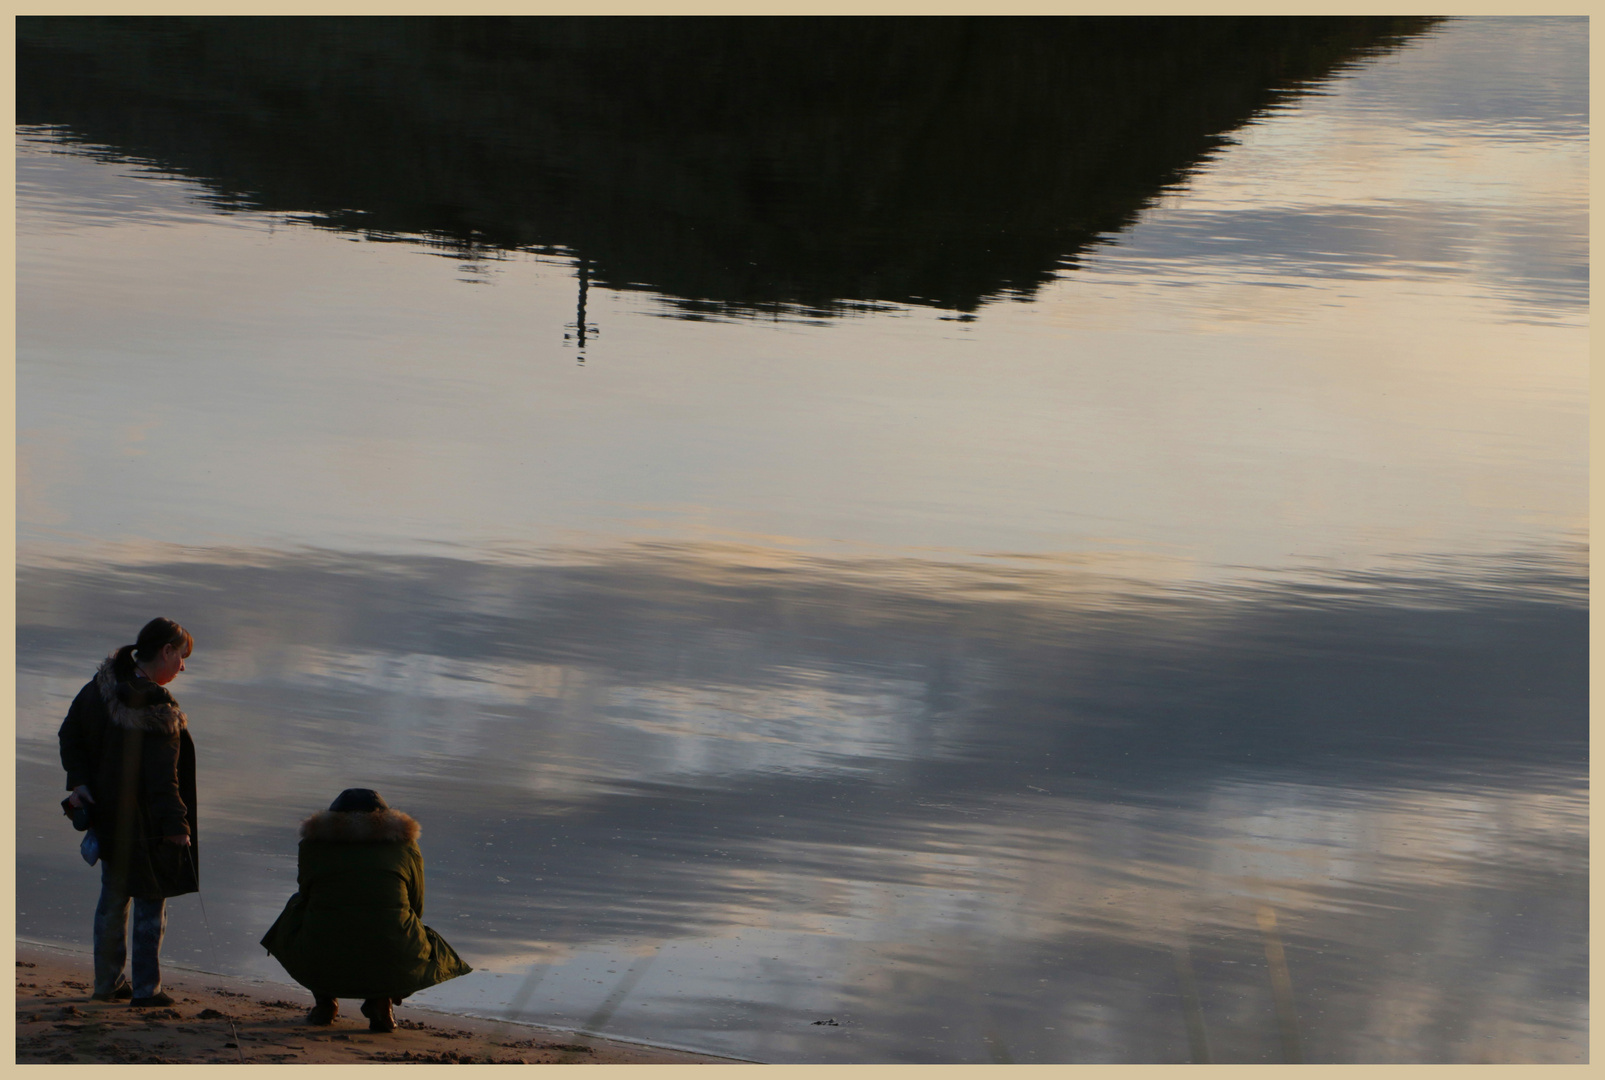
x: 217, y: 1019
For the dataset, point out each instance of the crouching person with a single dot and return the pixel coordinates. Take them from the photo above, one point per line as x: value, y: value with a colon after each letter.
x: 354, y: 928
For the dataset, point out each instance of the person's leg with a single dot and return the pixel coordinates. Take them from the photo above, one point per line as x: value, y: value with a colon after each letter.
x: 380, y: 1018
x: 110, y: 941
x: 324, y: 1010
x: 150, y: 923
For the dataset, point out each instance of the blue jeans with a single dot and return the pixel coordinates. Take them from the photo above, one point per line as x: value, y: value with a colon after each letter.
x: 111, y: 941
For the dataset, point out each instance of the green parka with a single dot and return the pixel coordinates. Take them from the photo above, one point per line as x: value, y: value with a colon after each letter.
x: 355, y: 927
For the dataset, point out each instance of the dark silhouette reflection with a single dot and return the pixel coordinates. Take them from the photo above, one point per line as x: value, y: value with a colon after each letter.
x: 1014, y: 804
x: 582, y: 329
x: 736, y: 165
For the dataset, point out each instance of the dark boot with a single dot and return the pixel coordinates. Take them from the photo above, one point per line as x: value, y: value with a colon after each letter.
x: 380, y: 1018
x: 323, y: 1011
x: 121, y: 992
x: 156, y: 1000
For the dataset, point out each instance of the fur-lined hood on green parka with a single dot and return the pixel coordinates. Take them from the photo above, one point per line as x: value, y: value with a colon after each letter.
x: 360, y: 827
x: 355, y: 927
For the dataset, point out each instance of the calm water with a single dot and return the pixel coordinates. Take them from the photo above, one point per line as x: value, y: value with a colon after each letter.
x: 865, y: 569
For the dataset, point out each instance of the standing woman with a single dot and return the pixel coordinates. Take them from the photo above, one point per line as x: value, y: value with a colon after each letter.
x: 128, y: 754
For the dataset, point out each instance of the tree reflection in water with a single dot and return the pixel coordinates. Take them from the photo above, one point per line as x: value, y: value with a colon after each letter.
x: 735, y: 165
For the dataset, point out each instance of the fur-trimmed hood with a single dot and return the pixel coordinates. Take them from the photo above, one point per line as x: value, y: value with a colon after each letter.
x: 133, y: 702
x: 359, y: 827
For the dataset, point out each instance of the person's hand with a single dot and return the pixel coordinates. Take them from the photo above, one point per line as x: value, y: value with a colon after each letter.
x: 79, y: 796
x: 182, y: 839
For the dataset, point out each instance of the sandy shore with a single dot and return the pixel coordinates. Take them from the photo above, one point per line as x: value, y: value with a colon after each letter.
x: 218, y: 1019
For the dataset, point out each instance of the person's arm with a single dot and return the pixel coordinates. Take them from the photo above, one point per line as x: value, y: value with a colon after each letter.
x: 77, y: 751
x: 159, y: 778
x: 415, y: 881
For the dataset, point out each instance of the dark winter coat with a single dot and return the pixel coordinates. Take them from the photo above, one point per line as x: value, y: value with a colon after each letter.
x: 127, y: 741
x: 355, y: 927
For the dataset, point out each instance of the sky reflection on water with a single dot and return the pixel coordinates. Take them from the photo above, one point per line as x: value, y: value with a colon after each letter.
x: 894, y: 807
x: 1003, y: 690
x: 1308, y: 357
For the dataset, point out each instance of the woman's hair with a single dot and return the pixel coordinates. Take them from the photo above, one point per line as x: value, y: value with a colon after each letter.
x: 160, y: 633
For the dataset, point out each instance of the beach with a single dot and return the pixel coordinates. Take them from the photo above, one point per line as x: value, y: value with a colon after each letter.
x: 218, y: 1019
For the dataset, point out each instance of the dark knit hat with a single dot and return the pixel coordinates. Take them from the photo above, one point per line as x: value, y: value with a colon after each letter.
x: 360, y: 799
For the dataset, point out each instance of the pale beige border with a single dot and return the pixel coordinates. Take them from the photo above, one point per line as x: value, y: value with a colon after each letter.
x: 8, y: 546
x: 816, y: 7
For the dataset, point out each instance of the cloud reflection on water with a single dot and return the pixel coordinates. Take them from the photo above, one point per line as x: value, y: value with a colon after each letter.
x: 800, y: 792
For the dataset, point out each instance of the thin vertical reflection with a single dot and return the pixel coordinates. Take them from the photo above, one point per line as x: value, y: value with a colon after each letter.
x: 1192, y: 1005
x: 1281, y: 985
x: 582, y: 330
